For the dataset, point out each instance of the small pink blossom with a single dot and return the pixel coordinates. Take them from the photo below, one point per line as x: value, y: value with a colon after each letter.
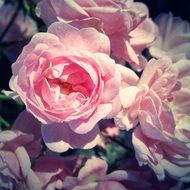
x: 126, y: 23
x: 154, y: 139
x: 173, y: 39
x: 109, y: 127
x: 67, y: 80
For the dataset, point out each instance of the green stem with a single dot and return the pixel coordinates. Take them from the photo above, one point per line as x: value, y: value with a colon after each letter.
x: 4, y: 97
x: 5, y: 123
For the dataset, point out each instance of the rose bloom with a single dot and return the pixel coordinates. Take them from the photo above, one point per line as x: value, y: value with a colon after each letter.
x: 173, y: 39
x: 126, y: 23
x: 180, y: 106
x: 17, y: 146
x: 23, y: 27
x: 93, y: 176
x: 52, y: 169
x: 154, y: 139
x: 67, y: 80
x: 144, y: 177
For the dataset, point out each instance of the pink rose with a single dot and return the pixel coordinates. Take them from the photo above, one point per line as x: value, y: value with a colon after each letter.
x: 180, y: 104
x: 93, y: 177
x: 154, y: 138
x: 173, y: 39
x: 126, y: 23
x: 52, y: 170
x: 144, y: 177
x: 67, y: 80
x: 28, y: 124
x: 16, y: 149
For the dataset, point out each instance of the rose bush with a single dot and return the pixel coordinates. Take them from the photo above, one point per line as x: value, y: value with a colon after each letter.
x: 66, y: 79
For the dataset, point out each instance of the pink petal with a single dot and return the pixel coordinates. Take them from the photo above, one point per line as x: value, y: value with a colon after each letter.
x: 128, y: 96
x: 59, y: 137
x: 82, y: 126
x: 24, y: 160
x: 94, y: 169
x: 80, y: 38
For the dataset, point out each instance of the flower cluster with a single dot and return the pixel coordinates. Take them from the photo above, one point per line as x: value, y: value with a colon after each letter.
x: 103, y: 77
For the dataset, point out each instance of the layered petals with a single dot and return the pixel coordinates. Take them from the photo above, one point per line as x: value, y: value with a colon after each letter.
x: 173, y: 39
x: 158, y: 115
x: 126, y: 23
x: 66, y: 78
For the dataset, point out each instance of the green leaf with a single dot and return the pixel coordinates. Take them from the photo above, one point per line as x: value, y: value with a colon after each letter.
x: 4, y: 97
x: 26, y: 7
x: 4, y: 122
x: 87, y: 153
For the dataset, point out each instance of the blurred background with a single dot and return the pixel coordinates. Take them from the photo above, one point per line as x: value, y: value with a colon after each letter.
x: 177, y: 7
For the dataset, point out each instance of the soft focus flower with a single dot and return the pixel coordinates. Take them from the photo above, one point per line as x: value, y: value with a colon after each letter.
x: 67, y: 80
x: 28, y: 124
x: 145, y: 177
x: 15, y: 164
x: 126, y: 23
x: 180, y: 104
x: 52, y: 170
x: 93, y: 177
x: 109, y: 127
x: 173, y: 39
x: 155, y: 140
x: 22, y: 28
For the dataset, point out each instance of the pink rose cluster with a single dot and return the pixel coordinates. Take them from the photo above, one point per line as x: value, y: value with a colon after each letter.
x: 126, y: 23
x: 157, y: 113
x: 73, y: 76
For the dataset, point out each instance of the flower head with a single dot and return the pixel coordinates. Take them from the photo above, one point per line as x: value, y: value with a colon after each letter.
x: 67, y: 80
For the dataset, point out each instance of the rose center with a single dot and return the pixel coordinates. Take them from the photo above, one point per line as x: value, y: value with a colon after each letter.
x: 65, y: 87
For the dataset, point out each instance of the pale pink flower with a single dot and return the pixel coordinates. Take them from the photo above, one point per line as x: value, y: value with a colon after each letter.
x: 52, y: 170
x: 154, y: 138
x: 67, y: 80
x: 28, y: 124
x: 126, y: 23
x: 180, y: 104
x: 22, y: 28
x: 15, y: 164
x: 145, y: 177
x: 93, y: 177
x: 173, y: 39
